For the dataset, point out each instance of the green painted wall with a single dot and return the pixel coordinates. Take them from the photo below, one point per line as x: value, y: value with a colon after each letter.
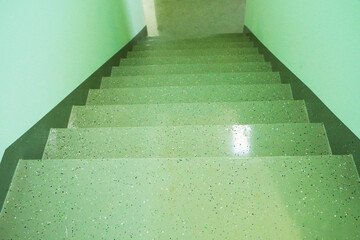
x: 48, y: 48
x: 319, y: 42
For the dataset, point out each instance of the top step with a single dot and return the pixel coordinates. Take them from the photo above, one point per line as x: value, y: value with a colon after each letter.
x: 194, y: 52
x: 223, y: 36
x: 197, y: 40
x: 194, y: 45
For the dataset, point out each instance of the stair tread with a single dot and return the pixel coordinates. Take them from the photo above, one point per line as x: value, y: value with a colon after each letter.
x: 302, y: 197
x: 193, y: 52
x: 191, y: 79
x: 192, y: 59
x: 189, y: 141
x: 188, y: 94
x: 191, y: 68
x: 194, y: 45
x: 188, y: 114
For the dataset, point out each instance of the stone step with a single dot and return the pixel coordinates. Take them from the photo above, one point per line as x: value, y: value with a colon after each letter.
x: 190, y: 94
x: 191, y: 79
x: 195, y: 40
x: 188, y: 114
x: 189, y: 141
x: 192, y: 60
x: 194, y: 45
x: 191, y: 68
x: 214, y: 36
x: 305, y: 197
x: 193, y: 52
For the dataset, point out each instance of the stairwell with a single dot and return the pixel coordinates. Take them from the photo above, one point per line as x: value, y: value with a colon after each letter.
x: 188, y: 139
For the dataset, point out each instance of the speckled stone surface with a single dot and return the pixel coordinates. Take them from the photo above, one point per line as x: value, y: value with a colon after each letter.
x: 188, y: 114
x: 209, y: 36
x: 198, y: 148
x: 191, y: 68
x: 191, y: 79
x: 193, y: 52
x: 314, y: 197
x: 189, y: 94
x: 158, y: 41
x: 203, y: 45
x: 192, y: 59
x: 290, y: 139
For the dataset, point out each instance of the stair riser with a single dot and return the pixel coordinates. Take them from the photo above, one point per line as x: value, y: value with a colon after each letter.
x: 189, y: 114
x: 194, y: 46
x: 188, y: 141
x: 194, y: 52
x: 190, y: 69
x: 197, y: 94
x: 192, y: 60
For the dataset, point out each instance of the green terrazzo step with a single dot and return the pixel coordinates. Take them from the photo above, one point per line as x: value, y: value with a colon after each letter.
x: 314, y: 197
x: 193, y: 52
x: 188, y: 141
x: 191, y: 68
x: 191, y: 79
x: 192, y: 60
x: 221, y: 36
x: 190, y: 94
x: 188, y: 114
x: 205, y: 45
x: 194, y: 40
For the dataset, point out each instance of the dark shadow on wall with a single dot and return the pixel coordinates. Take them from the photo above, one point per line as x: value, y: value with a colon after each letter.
x: 342, y: 140
x: 31, y: 145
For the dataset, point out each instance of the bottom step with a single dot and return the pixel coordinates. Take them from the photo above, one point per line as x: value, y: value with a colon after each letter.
x: 313, y: 197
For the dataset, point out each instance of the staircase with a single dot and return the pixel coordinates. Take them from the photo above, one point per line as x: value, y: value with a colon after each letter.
x: 188, y: 139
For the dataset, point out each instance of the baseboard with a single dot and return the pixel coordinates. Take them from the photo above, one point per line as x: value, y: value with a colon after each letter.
x: 342, y: 139
x: 31, y: 145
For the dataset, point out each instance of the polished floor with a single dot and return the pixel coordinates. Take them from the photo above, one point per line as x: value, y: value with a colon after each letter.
x: 187, y: 139
x: 309, y: 197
